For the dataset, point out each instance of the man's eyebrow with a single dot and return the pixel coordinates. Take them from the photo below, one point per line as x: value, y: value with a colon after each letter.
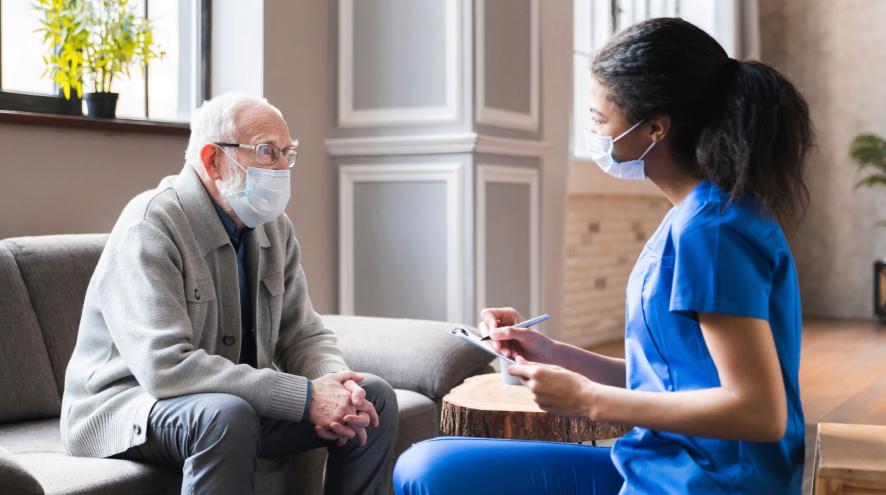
x: 263, y: 139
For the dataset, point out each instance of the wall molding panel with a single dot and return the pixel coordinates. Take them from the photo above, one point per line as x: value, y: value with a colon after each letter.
x: 498, y: 117
x: 497, y: 174
x: 449, y: 113
x: 449, y: 173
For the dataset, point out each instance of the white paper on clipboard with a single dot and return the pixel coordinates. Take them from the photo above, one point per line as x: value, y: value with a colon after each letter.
x: 475, y: 341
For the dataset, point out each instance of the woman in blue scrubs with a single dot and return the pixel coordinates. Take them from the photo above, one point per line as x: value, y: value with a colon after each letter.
x: 713, y: 320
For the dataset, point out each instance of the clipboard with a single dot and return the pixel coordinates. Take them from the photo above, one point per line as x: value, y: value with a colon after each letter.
x: 476, y: 342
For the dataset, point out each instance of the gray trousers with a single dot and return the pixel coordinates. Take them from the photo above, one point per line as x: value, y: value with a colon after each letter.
x: 216, y: 440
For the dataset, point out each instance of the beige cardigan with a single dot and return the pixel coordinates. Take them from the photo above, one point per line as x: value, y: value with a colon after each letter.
x: 162, y: 319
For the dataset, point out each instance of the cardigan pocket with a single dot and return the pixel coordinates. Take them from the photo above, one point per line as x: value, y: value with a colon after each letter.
x: 274, y: 286
x: 199, y: 292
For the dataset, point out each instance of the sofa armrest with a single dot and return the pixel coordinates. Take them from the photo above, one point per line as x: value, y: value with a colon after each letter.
x: 14, y: 478
x: 418, y: 355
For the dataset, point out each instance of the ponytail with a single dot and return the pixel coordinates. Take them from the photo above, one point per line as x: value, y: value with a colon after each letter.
x: 758, y: 142
x: 739, y: 124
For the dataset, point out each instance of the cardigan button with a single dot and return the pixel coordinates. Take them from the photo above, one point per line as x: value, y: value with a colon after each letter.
x: 138, y: 430
x: 228, y: 340
x: 197, y: 294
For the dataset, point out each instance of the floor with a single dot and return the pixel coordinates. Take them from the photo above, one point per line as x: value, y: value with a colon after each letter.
x: 842, y: 375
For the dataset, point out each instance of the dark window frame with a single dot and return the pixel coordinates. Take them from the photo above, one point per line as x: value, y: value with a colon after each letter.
x: 58, y: 105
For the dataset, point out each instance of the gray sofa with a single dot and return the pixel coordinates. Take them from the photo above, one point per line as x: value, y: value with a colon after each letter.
x: 44, y: 281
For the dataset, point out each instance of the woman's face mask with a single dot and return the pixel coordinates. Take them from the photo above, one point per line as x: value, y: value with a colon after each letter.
x: 600, y: 149
x: 261, y: 197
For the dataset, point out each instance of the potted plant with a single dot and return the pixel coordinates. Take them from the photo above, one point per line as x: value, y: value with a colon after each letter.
x: 64, y: 30
x: 106, y: 39
x: 870, y: 152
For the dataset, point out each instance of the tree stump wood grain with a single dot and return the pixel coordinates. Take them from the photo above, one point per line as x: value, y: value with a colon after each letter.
x: 485, y: 407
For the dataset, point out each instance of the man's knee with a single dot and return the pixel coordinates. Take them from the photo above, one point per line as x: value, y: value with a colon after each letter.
x: 381, y: 394
x: 228, y: 420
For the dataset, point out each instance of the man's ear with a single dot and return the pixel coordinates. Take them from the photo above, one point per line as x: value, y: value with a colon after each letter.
x: 659, y: 126
x: 208, y: 154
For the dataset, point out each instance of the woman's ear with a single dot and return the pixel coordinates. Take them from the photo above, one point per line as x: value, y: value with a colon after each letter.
x: 659, y: 126
x: 207, y: 157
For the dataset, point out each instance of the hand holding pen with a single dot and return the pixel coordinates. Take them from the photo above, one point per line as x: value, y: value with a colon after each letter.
x: 510, y: 335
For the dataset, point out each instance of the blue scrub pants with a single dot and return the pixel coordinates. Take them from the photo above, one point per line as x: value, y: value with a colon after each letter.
x: 463, y: 466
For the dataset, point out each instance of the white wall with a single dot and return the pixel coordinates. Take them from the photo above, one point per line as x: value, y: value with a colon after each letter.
x: 833, y: 52
x: 556, y: 105
x: 298, y: 79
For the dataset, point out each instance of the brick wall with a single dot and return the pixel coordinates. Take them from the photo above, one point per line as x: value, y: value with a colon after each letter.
x: 604, y: 237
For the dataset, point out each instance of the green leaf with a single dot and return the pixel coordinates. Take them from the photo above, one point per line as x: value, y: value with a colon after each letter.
x: 874, y: 180
x: 869, y: 150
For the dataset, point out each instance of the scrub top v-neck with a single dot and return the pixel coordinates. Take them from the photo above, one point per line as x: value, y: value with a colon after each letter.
x: 709, y: 256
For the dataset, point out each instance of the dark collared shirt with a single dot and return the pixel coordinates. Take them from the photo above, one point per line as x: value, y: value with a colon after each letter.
x: 247, y: 329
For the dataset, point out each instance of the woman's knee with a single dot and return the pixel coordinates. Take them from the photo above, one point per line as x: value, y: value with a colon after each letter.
x: 426, y: 464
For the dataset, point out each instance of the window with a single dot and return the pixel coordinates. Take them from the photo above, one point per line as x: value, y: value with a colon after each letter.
x: 167, y: 90
x: 595, y: 21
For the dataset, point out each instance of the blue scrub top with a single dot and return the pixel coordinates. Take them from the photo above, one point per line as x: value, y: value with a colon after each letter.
x: 708, y: 256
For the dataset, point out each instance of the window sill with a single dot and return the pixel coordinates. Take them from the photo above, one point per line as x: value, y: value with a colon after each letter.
x: 79, y: 122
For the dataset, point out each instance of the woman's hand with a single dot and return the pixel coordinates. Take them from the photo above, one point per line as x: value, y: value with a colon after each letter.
x: 531, y: 344
x: 555, y: 389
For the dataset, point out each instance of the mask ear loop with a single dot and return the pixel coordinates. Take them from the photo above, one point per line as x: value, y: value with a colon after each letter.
x: 625, y: 133
x: 227, y: 189
x: 647, y: 150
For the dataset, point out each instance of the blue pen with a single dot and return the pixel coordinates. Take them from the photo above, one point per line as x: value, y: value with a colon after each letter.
x: 528, y: 323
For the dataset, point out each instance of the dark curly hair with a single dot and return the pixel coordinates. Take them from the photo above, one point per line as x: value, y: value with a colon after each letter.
x: 740, y: 124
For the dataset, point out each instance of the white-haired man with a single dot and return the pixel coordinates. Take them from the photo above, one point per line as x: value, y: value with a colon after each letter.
x: 198, y: 345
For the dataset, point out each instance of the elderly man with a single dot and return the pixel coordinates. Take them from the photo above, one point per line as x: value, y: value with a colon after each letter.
x: 198, y: 345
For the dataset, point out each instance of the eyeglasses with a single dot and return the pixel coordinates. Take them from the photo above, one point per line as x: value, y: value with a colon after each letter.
x: 267, y: 153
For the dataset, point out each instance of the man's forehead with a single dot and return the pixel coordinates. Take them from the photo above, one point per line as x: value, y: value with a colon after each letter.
x: 262, y: 125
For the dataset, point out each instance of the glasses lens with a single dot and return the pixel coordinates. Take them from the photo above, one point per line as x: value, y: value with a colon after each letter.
x: 291, y: 157
x: 265, y: 154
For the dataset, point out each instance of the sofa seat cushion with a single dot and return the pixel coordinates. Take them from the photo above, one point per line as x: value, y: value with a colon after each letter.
x: 14, y: 478
x: 419, y: 420
x: 36, y: 446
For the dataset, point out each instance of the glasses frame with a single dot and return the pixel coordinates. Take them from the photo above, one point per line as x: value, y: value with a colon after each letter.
x: 278, y: 151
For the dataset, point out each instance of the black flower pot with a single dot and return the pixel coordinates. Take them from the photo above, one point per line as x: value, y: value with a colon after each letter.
x: 101, y: 105
x: 72, y: 106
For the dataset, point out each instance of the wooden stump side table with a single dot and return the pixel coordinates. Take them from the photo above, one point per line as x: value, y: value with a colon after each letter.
x: 485, y: 407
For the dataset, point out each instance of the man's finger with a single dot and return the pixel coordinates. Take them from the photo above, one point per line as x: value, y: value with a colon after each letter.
x: 360, y: 420
x: 324, y: 433
x: 342, y: 430
x: 361, y: 436
x: 349, y: 375
x: 357, y: 392
x: 369, y: 409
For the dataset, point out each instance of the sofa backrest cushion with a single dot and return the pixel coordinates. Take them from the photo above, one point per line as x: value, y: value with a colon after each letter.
x: 417, y: 355
x: 56, y: 270
x: 27, y: 386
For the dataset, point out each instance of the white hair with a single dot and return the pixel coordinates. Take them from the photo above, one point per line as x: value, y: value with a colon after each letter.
x: 216, y: 120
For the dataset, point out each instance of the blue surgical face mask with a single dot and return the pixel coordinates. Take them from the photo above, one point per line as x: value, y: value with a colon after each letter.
x: 261, y: 197
x: 600, y: 149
